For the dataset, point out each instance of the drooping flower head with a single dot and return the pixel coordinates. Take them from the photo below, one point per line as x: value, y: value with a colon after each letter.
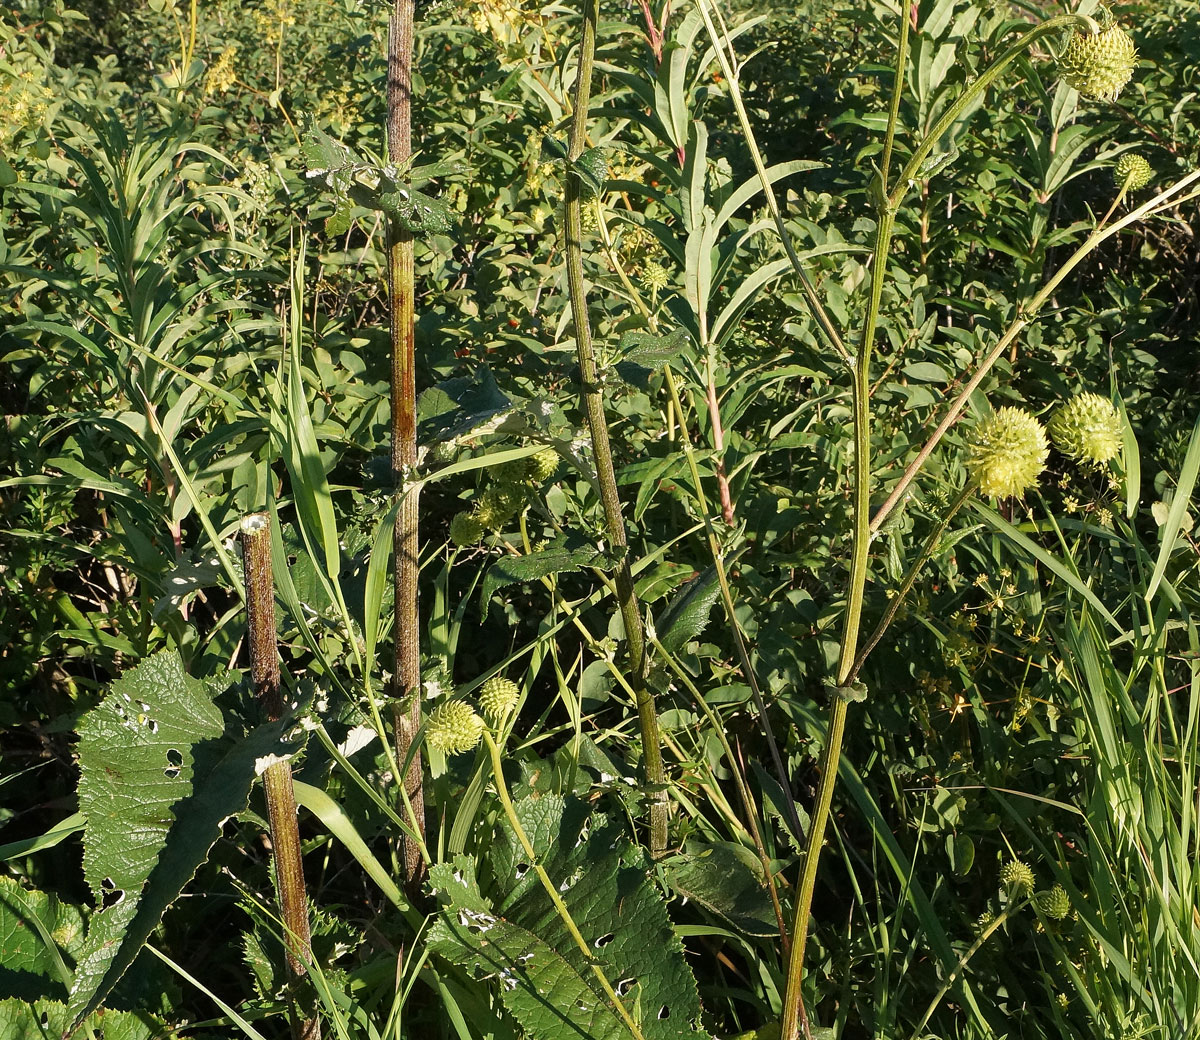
x: 1008, y: 453
x: 1099, y: 65
x: 453, y: 727
x: 1087, y: 428
x: 1132, y: 172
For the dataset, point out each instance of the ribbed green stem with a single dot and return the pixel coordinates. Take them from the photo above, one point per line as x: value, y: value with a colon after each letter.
x: 406, y: 674
x: 593, y: 404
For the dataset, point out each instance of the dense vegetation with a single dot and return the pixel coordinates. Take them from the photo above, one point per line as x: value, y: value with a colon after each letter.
x: 772, y: 611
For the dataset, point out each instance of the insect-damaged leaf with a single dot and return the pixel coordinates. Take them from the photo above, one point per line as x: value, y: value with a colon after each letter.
x: 516, y: 935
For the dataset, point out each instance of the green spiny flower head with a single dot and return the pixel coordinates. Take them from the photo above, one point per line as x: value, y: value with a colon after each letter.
x: 542, y: 466
x: 1054, y: 903
x: 465, y: 529
x: 655, y: 276
x: 1099, y: 65
x: 1016, y: 878
x: 497, y: 697
x: 1008, y: 453
x: 453, y: 727
x: 1132, y: 172
x: 1087, y: 428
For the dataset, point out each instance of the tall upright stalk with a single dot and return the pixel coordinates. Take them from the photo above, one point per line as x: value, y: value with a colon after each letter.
x: 593, y: 404
x: 277, y: 779
x: 406, y: 675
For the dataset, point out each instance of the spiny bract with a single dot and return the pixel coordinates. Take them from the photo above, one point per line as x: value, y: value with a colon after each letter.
x: 465, y: 529
x: 1008, y: 453
x: 497, y: 697
x: 1054, y: 903
x: 453, y: 727
x: 1087, y: 428
x: 1132, y: 172
x: 1099, y: 65
x: 1016, y: 878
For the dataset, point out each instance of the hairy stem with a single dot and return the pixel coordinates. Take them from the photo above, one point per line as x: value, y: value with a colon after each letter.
x: 406, y: 675
x: 277, y: 779
x: 593, y: 403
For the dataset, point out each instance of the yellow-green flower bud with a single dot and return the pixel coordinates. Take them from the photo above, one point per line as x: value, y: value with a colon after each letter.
x: 453, y: 727
x: 1098, y: 65
x: 1016, y: 878
x: 1054, y: 903
x: 1008, y: 453
x: 497, y: 697
x: 1087, y: 428
x: 542, y: 466
x: 1132, y: 172
x: 654, y: 276
x: 465, y: 529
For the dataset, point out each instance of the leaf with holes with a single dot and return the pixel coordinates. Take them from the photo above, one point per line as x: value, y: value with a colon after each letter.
x: 517, y: 936
x: 48, y: 1020
x: 160, y: 772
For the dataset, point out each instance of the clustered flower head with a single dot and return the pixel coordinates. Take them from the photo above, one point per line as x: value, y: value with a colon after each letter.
x: 1099, y: 65
x: 1016, y: 878
x: 1086, y: 428
x: 1132, y: 172
x: 497, y: 697
x: 1008, y: 453
x: 465, y: 529
x: 453, y: 727
x: 1054, y: 903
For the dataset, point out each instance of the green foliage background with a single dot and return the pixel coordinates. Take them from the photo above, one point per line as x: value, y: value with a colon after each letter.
x: 165, y: 338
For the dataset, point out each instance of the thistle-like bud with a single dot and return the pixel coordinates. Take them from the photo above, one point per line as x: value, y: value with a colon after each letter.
x: 1132, y: 172
x: 541, y: 467
x: 1087, y: 428
x: 465, y: 529
x: 453, y: 727
x: 1098, y: 65
x: 497, y: 697
x: 1054, y: 903
x: 1016, y: 878
x: 1008, y: 453
x: 654, y: 276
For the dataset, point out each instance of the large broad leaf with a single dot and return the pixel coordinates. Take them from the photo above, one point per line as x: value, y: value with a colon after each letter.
x: 458, y: 407
x: 546, y: 981
x: 509, y: 570
x: 160, y: 772
x: 48, y: 1020
x: 726, y: 879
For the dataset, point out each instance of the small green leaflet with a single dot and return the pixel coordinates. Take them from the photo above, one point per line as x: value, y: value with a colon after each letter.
x: 389, y: 189
x: 591, y: 167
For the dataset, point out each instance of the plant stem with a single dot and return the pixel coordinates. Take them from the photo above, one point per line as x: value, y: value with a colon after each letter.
x: 593, y: 403
x: 552, y: 891
x: 910, y: 578
x: 406, y: 675
x: 277, y: 779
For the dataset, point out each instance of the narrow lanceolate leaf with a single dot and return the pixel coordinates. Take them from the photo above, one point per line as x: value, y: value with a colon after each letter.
x: 687, y: 614
x: 160, y: 772
x: 48, y: 1020
x: 516, y: 936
